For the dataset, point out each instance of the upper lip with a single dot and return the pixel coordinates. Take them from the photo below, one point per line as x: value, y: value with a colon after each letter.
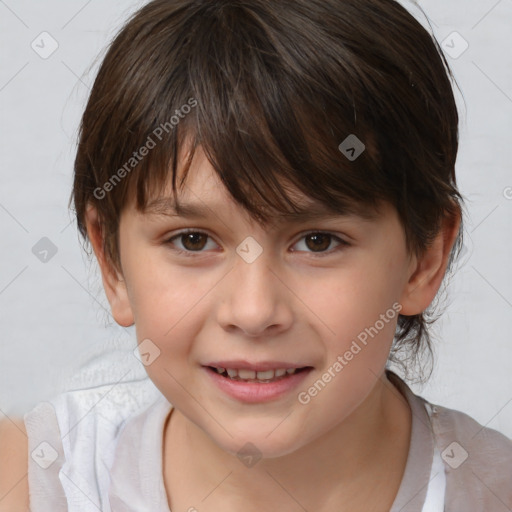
x: 240, y: 364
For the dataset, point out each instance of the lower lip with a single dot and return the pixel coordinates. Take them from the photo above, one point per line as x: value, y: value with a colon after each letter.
x: 256, y: 392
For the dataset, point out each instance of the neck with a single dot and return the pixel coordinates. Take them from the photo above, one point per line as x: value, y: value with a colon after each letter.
x: 368, y: 450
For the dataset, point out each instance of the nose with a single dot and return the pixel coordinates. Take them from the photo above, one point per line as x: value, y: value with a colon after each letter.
x: 254, y: 300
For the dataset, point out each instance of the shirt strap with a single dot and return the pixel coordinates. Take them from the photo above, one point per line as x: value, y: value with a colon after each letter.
x: 435, y: 499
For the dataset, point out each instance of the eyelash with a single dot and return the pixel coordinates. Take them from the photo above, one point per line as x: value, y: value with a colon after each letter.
x: 342, y: 243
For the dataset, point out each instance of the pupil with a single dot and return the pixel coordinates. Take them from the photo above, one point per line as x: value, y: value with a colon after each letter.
x: 192, y: 237
x: 318, y: 238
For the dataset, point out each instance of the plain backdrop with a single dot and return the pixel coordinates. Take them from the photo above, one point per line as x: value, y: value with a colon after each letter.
x: 53, y: 311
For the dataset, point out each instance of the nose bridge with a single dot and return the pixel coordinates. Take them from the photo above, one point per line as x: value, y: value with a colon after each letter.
x: 253, y: 295
x: 255, y: 278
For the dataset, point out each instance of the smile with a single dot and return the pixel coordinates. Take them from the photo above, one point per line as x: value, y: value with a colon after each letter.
x: 257, y: 386
x: 256, y: 376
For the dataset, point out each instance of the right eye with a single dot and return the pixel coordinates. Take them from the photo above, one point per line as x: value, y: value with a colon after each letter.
x: 191, y: 240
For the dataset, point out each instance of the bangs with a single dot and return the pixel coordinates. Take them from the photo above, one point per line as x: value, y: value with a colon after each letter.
x: 268, y: 129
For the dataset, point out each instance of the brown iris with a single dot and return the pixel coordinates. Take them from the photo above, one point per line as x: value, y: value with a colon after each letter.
x: 192, y: 241
x: 320, y: 241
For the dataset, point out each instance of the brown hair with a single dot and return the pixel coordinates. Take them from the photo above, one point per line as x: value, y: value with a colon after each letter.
x: 270, y: 89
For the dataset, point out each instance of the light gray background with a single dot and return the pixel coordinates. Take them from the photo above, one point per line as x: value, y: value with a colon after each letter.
x: 55, y: 315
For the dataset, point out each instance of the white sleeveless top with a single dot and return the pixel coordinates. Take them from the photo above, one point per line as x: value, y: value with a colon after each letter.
x: 101, y: 449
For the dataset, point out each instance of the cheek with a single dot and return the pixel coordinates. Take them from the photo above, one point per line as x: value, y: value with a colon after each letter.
x: 163, y: 293
x: 354, y: 298
x: 359, y: 314
x: 358, y: 308
x: 170, y: 306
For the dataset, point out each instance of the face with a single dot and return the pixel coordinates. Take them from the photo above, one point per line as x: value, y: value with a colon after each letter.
x: 232, y: 292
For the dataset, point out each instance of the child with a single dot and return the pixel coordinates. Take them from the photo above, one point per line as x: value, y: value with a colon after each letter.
x: 310, y: 145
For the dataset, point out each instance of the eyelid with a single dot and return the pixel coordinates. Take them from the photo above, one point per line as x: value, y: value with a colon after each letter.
x: 342, y: 242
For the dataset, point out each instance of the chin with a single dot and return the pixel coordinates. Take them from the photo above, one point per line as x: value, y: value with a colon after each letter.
x: 259, y: 444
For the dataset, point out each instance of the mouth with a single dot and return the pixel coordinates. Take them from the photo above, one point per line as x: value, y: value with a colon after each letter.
x: 253, y: 383
x: 258, y: 376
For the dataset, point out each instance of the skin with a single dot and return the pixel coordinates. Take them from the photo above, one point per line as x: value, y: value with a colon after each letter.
x: 286, y: 305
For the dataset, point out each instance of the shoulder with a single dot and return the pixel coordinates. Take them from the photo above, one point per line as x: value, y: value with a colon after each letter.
x: 485, y: 443
x: 477, y: 460
x: 14, y: 495
x: 75, y: 433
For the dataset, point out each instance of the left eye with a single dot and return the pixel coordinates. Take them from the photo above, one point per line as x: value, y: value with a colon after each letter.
x: 318, y: 241
x: 321, y: 241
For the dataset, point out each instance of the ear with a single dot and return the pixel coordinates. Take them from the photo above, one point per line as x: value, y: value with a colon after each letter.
x: 113, y: 282
x: 426, y: 273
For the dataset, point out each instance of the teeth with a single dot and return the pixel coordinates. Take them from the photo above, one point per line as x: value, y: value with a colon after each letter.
x: 243, y: 374
x: 232, y: 373
x: 246, y: 374
x: 269, y: 374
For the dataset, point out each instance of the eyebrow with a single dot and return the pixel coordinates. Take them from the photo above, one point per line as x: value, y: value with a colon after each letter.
x: 167, y: 207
